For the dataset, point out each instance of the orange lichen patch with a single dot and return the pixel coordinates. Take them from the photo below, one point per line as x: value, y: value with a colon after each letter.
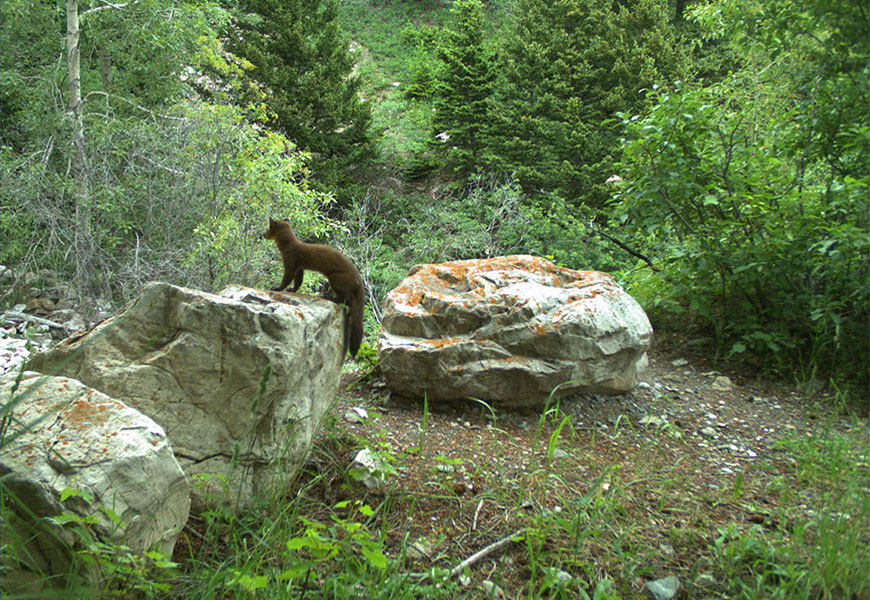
x: 86, y: 413
x: 540, y: 328
x: 441, y: 343
x: 513, y: 358
x: 451, y: 276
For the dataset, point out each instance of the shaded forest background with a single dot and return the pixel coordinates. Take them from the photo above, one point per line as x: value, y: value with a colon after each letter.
x: 712, y: 155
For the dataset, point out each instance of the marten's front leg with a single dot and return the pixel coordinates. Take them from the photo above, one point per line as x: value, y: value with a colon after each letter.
x: 289, y: 275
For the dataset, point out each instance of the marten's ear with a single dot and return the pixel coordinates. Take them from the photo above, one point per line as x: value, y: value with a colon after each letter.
x: 287, y: 220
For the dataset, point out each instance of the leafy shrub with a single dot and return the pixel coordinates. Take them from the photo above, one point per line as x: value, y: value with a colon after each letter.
x: 772, y: 254
x: 752, y: 193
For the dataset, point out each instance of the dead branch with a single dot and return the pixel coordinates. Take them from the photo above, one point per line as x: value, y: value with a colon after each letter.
x: 483, y: 553
x: 625, y: 247
x: 19, y: 316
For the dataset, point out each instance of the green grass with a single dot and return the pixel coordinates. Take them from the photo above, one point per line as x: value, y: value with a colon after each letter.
x: 385, y: 65
x: 617, y: 510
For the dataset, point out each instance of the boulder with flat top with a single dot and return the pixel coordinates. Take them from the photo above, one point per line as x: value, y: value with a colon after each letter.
x: 510, y: 330
x: 238, y: 380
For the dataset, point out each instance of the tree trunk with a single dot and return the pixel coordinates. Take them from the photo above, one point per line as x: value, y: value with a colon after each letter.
x: 678, y: 13
x: 84, y: 246
x: 74, y: 105
x: 105, y: 69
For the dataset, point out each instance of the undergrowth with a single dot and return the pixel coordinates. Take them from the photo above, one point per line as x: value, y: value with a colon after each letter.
x: 579, y: 514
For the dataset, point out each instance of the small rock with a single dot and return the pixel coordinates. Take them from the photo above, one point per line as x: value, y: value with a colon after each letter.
x: 652, y: 420
x: 708, y: 432
x: 563, y: 576
x: 722, y: 384
x: 422, y: 548
x: 491, y: 590
x: 705, y: 580
x: 356, y: 415
x: 664, y: 588
x: 558, y: 453
x: 368, y: 468
x: 680, y: 362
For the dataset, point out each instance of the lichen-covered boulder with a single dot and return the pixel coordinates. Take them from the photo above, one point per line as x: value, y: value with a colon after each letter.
x: 510, y: 330
x: 244, y: 371
x: 71, y: 449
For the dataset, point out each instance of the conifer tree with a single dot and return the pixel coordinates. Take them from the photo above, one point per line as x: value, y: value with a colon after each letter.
x: 301, y: 57
x: 568, y: 66
x: 464, y: 86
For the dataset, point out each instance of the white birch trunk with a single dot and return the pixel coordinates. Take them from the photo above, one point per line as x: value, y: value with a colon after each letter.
x: 74, y: 105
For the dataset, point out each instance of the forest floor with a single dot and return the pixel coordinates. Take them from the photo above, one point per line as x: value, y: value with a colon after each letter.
x: 623, y: 489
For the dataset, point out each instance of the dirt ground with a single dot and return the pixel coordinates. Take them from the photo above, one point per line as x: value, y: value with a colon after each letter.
x: 692, y: 449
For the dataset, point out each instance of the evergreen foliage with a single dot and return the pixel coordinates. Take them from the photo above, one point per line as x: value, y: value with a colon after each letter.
x: 130, y: 59
x: 746, y: 184
x: 301, y: 57
x: 464, y: 86
x: 568, y: 67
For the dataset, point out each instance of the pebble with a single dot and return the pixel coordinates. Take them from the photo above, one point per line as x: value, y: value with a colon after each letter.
x: 652, y: 420
x: 722, y: 384
x: 356, y: 415
x: 491, y: 590
x: 664, y: 588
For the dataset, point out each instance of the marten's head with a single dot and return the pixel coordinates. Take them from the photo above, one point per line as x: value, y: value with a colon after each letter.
x: 278, y: 229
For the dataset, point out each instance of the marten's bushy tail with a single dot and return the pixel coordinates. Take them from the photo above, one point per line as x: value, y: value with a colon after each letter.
x: 356, y: 321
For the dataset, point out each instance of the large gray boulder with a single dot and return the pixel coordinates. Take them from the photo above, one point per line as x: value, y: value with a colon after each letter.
x: 244, y: 372
x: 510, y: 330
x: 67, y: 437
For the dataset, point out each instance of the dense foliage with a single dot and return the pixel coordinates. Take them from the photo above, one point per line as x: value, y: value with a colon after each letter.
x: 168, y: 187
x: 464, y: 86
x: 713, y: 154
x: 568, y: 66
x: 301, y: 57
x: 752, y: 192
x: 737, y: 128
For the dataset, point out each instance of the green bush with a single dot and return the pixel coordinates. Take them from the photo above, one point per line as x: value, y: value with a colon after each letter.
x: 750, y: 192
x: 773, y: 259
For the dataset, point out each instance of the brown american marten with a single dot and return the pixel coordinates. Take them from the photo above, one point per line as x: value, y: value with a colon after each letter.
x: 343, y: 277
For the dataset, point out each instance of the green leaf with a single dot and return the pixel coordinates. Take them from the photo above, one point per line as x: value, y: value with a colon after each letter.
x: 375, y: 557
x: 711, y: 200
x: 297, y: 543
x: 296, y: 571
